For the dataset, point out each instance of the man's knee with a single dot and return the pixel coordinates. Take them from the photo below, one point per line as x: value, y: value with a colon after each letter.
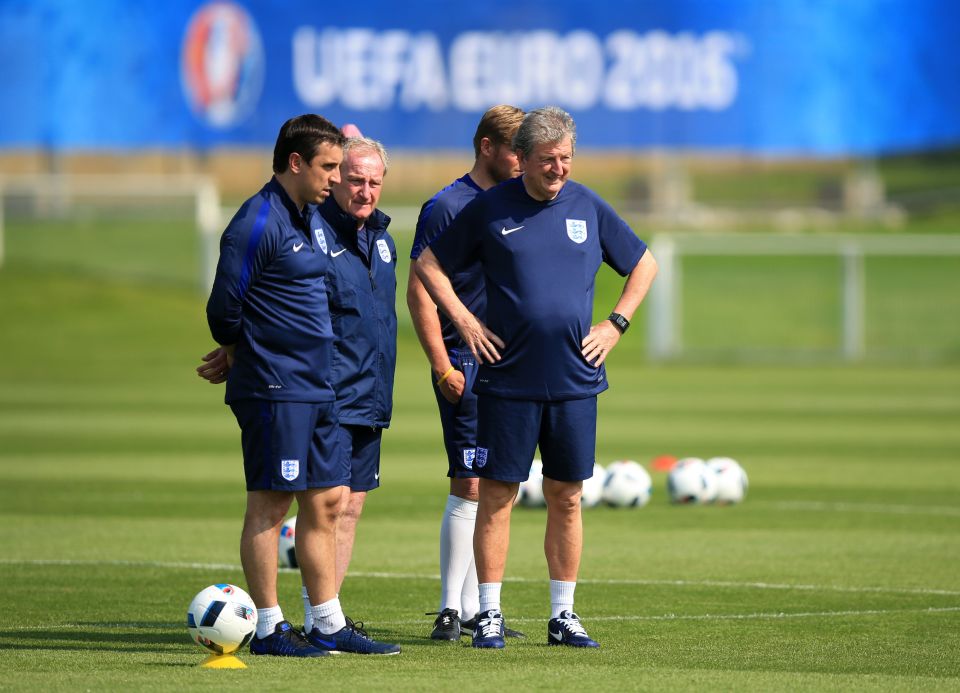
x: 497, y: 495
x: 562, y: 496
x: 465, y: 487
x: 352, y: 506
x: 266, y: 508
x: 323, y: 506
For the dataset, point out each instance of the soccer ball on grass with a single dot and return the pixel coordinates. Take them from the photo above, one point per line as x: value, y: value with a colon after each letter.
x: 222, y: 618
x: 731, y: 480
x: 628, y: 485
x: 593, y: 487
x: 287, y: 546
x: 531, y: 490
x: 691, y: 482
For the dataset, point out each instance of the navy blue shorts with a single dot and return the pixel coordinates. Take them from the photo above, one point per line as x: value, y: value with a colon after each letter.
x: 509, y: 430
x: 290, y: 446
x: 360, y: 445
x: 459, y: 421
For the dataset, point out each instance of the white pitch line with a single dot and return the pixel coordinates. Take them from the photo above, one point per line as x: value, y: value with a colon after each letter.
x: 822, y: 506
x: 582, y: 581
x: 773, y: 615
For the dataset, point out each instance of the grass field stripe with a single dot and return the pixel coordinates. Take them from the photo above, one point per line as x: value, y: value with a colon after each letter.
x: 773, y: 615
x: 821, y: 506
x: 582, y: 581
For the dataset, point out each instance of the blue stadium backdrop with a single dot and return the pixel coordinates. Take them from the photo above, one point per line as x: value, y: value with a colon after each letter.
x: 774, y: 77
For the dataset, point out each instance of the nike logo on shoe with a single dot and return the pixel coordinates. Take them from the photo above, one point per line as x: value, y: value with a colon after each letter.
x: 342, y: 250
x: 297, y: 246
x: 506, y: 232
x: 556, y: 636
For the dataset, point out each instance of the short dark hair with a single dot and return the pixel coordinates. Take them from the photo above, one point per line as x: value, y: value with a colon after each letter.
x: 498, y: 125
x: 304, y: 134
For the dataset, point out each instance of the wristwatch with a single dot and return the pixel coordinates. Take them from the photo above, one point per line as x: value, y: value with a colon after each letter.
x: 620, y: 322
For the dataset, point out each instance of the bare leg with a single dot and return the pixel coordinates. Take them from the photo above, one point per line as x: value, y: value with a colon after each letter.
x: 563, y: 540
x: 316, y: 541
x: 491, y: 538
x: 350, y: 508
x: 258, y: 543
x: 468, y: 489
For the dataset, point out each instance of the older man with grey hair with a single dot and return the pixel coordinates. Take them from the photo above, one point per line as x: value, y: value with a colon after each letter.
x: 540, y: 240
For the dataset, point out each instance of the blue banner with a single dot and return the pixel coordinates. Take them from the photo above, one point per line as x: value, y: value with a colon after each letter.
x: 772, y: 77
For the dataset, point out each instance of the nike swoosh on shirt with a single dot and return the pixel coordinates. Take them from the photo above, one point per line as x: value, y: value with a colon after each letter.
x: 506, y: 232
x: 297, y: 246
x: 338, y: 252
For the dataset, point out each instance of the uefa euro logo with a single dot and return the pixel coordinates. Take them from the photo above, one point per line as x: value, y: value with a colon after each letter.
x: 221, y: 64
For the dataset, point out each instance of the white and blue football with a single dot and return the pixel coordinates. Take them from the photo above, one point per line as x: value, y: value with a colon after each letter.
x: 222, y: 618
x: 628, y: 485
x: 690, y: 481
x: 731, y: 480
x: 287, y: 546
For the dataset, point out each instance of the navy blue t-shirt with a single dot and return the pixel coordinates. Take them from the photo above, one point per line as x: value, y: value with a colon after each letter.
x: 435, y: 216
x: 539, y: 262
x: 269, y: 297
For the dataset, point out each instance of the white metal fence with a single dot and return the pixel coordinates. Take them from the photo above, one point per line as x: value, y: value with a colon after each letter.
x: 665, y: 305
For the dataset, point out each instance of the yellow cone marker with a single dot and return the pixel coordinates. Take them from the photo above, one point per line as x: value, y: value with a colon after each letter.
x: 216, y: 661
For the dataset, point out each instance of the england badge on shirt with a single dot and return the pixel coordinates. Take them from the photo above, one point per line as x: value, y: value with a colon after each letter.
x: 322, y: 240
x: 577, y: 230
x: 384, y: 250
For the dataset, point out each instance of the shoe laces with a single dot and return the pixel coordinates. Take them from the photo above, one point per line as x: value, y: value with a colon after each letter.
x: 446, y: 617
x: 571, y: 622
x: 357, y: 628
x: 489, y: 626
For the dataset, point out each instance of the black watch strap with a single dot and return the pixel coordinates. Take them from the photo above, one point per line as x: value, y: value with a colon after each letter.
x: 620, y: 322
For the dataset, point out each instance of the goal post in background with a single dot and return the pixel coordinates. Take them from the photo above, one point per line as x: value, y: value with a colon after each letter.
x: 779, y: 297
x: 48, y: 208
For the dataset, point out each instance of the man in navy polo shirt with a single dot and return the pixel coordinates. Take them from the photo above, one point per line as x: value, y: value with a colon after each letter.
x: 454, y: 369
x: 540, y: 240
x: 268, y: 309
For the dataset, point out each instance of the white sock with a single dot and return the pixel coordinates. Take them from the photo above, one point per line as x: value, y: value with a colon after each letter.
x: 456, y: 550
x: 561, y: 597
x: 470, y: 595
x: 267, y: 620
x: 328, y: 617
x: 490, y: 596
x: 307, y: 611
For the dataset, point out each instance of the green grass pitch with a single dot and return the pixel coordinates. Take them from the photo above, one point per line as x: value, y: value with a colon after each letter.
x: 121, y: 496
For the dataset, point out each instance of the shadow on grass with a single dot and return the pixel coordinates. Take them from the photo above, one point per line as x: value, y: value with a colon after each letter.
x: 119, y: 637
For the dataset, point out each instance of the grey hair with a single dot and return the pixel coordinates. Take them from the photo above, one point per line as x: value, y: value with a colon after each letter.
x: 367, y: 144
x: 544, y: 125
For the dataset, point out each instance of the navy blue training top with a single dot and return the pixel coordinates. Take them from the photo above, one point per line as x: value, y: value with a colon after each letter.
x: 269, y: 298
x: 362, y: 291
x: 539, y: 261
x: 435, y: 216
